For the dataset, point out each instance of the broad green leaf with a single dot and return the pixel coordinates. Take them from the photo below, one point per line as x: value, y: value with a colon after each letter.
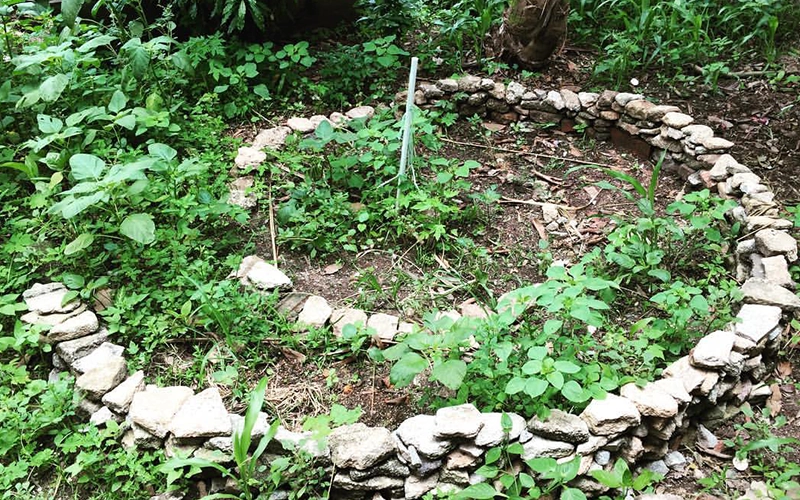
x: 69, y: 11
x: 535, y: 387
x: 660, y: 274
x: 262, y: 91
x: 82, y: 242
x: 537, y: 352
x: 574, y: 392
x: 607, y: 478
x: 86, y: 166
x: 406, y: 368
x: 515, y: 385
x: 48, y: 124
x: 567, y: 366
x: 645, y: 479
x: 532, y: 367
x: 75, y: 206
x: 51, y: 89
x: 572, y: 494
x: 139, y: 228
x: 551, y: 326
x: 493, y: 455
x: 450, y: 373
x: 556, y: 379
x: 162, y: 151
x: 480, y: 491
x: 699, y: 304
x: 126, y: 121
x: 118, y: 102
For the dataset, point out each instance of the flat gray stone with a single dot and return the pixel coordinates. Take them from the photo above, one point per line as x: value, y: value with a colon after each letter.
x: 539, y: 447
x: 560, y: 426
x: 72, y: 350
x: 360, y: 447
x: 97, y: 357
x: 34, y: 318
x: 78, y: 326
x: 154, y: 408
x: 301, y: 124
x: 650, y: 400
x: 761, y: 291
x: 315, y: 313
x: 343, y: 481
x: 102, y: 416
x: 776, y: 270
x: 255, y: 271
x: 347, y: 316
x: 571, y: 100
x: 677, y: 120
x: 713, y: 351
x: 756, y: 222
x: 555, y: 100
x: 694, y: 379
x: 101, y: 379
x: 415, y: 487
x: 771, y: 242
x: 469, y: 84
x: 361, y: 112
x: 462, y: 421
x: 119, y: 399
x: 491, y: 434
x: 757, y: 320
x: 391, y: 468
x: 202, y: 415
x: 272, y: 138
x: 514, y: 93
x: 675, y: 388
x: 716, y: 143
x: 385, y: 326
x: 46, y: 299
x: 612, y: 415
x: 249, y: 157
x: 38, y: 289
x: 675, y: 460
x: 419, y: 432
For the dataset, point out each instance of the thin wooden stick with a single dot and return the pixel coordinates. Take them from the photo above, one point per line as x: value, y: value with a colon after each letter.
x: 272, y: 227
x: 527, y: 153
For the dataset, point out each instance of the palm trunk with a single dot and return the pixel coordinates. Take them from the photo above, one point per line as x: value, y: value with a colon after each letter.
x: 532, y: 31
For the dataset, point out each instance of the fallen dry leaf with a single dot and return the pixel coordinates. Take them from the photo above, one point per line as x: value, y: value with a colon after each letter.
x: 493, y: 127
x: 783, y: 370
x: 774, y: 402
x: 347, y: 389
x: 332, y: 269
x: 399, y: 400
x: 293, y: 355
x: 103, y: 298
x: 540, y: 229
x: 575, y: 152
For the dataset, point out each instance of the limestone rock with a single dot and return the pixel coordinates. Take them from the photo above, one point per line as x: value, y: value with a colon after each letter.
x: 420, y: 432
x: 153, y: 409
x: 416, y: 487
x: 254, y: 270
x: 78, y: 326
x: 462, y: 421
x: 140, y: 438
x: 469, y: 84
x: 447, y: 85
x: 675, y: 388
x: 776, y: 270
x: 555, y: 100
x: 385, y: 326
x: 391, y: 468
x: 119, y: 399
x: 360, y: 447
x: 101, y: 379
x: 612, y: 415
x: 71, y: 350
x: 560, y: 426
x: 639, y: 108
x: 249, y: 157
x: 539, y: 447
x: 272, y: 138
x: 361, y: 113
x: 651, y: 400
x: 756, y: 321
x: 300, y: 124
x: 756, y: 222
x: 491, y: 434
x: 34, y: 318
x: 694, y: 379
x: 771, y: 242
x: 571, y: 100
x: 347, y: 316
x: 343, y: 481
x: 240, y: 195
x: 200, y: 416
x: 716, y: 143
x: 713, y: 350
x: 46, y: 299
x: 315, y: 313
x: 514, y: 93
x: 102, y: 416
x: 97, y: 357
x: 623, y: 98
x: 677, y: 120
x: 761, y: 291
x: 696, y: 133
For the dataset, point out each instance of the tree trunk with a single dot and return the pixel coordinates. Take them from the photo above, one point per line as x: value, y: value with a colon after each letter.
x: 532, y: 31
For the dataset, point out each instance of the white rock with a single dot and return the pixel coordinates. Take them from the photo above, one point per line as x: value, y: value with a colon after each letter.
x: 360, y: 447
x: 361, y: 112
x: 560, y: 426
x: 33, y: 318
x: 347, y: 316
x: 491, y: 434
x: 418, y: 431
x: 694, y: 379
x: 240, y: 193
x: 300, y: 124
x: 154, y: 408
x: 677, y: 120
x: 650, y: 400
x: 102, y: 416
x: 98, y: 357
x: 78, y: 326
x: 713, y: 350
x: 462, y: 421
x: 623, y: 98
x: 72, y: 350
x: 675, y: 388
x: 46, y: 299
x: 612, y: 415
x: 272, y: 138
x: 254, y: 270
x: 202, y: 415
x: 120, y: 398
x: 101, y: 379
x: 539, y: 447
x: 555, y: 100
x: 249, y: 157
x: 385, y: 326
x: 315, y: 313
x: 416, y: 487
x: 761, y: 291
x: 776, y: 270
x: 550, y: 212
x: 771, y: 242
x: 756, y: 321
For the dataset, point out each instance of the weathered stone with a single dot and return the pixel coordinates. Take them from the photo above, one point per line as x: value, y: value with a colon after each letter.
x: 538, y: 447
x: 561, y: 426
x: 101, y: 379
x: 776, y: 270
x: 385, y: 326
x: 119, y: 399
x: 650, y: 400
x: 588, y: 99
x: 136, y: 437
x: 390, y: 468
x: 300, y: 124
x: 469, y: 84
x: 103, y: 416
x: 47, y: 299
x: 72, y: 350
x: 416, y: 487
x: 491, y: 434
x: 771, y: 242
x: 215, y: 456
x: 154, y: 408
x: 514, y: 93
x: 272, y: 138
x: 716, y: 143
x: 735, y: 181
x: 34, y: 318
x: 555, y: 100
x: 255, y: 271
x: 183, y: 448
x: 756, y: 222
x: 593, y: 444
x: 316, y: 120
x: 201, y: 416
x: 713, y: 350
x: 315, y: 313
x: 632, y: 449
x: 78, y: 326
x: 249, y: 157
x: 419, y: 432
x: 361, y: 113
x: 623, y: 98
x: 694, y: 379
x: 658, y: 466
x: 675, y: 388
x: 677, y: 120
x: 656, y: 113
x: 98, y: 357
x: 343, y: 481
x: 639, y: 108
x: 612, y: 415
x: 291, y: 304
x: 477, y: 98
x: 447, y: 85
x: 756, y: 321
x: 360, y: 447
x: 460, y: 460
x: 462, y: 421
x: 675, y: 460
x: 300, y: 441
x: 431, y: 91
x: 343, y: 317
x: 571, y: 100
x: 761, y: 291
x: 86, y: 408
x: 240, y: 193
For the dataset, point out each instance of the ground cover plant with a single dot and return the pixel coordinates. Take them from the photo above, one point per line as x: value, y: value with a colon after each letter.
x: 116, y: 137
